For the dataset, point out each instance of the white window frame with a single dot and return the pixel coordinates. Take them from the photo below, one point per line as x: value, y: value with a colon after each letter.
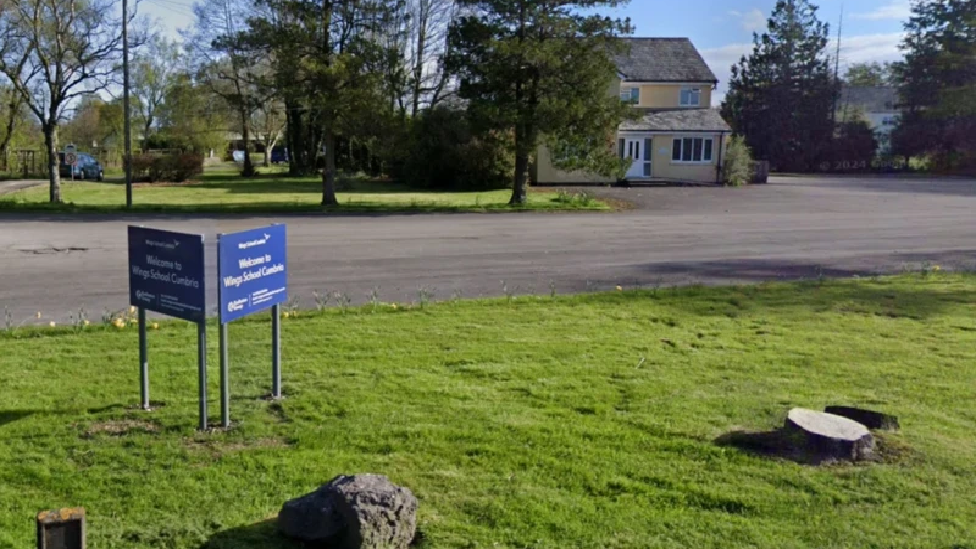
x: 630, y: 95
x: 694, y: 92
x: 703, y: 160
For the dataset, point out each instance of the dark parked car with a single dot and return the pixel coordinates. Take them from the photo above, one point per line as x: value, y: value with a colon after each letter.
x: 279, y: 155
x: 86, y: 168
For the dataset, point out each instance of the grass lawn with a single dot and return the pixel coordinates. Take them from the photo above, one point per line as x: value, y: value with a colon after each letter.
x: 564, y: 422
x: 219, y: 191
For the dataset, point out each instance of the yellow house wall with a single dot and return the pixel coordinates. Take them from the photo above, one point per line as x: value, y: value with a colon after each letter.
x: 663, y: 168
x: 668, y: 96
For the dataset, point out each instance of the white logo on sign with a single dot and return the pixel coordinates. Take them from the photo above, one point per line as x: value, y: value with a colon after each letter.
x: 252, y: 243
x: 167, y: 245
x: 236, y: 305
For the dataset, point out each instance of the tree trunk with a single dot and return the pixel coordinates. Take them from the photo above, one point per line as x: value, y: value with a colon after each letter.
x: 248, y: 167
x: 13, y: 106
x: 328, y: 173
x: 521, y: 176
x: 53, y: 164
x: 145, y: 136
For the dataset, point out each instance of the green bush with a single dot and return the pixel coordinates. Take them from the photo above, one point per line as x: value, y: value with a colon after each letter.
x: 175, y: 168
x: 737, y: 168
x: 443, y: 152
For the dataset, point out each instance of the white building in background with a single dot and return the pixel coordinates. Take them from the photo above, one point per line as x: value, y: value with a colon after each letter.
x: 878, y: 105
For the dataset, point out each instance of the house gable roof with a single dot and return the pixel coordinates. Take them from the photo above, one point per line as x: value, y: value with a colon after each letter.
x: 663, y: 60
x: 678, y: 120
x: 870, y: 98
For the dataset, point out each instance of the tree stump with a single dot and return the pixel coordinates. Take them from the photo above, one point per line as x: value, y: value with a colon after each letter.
x: 868, y: 418
x: 826, y: 436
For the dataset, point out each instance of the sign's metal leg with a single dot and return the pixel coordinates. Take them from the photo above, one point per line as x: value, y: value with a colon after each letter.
x: 276, y: 351
x: 202, y: 358
x: 224, y: 380
x: 143, y: 360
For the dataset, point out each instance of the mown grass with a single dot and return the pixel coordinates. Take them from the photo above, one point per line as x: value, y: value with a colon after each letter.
x: 222, y: 191
x: 585, y: 421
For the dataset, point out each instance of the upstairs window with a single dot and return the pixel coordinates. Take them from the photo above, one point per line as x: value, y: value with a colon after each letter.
x: 690, y: 97
x: 630, y: 95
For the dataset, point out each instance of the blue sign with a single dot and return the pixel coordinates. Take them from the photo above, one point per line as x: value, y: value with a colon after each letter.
x: 166, y: 273
x: 252, y: 268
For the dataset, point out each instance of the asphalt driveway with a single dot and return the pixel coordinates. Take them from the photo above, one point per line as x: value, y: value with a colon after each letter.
x: 16, y: 185
x: 789, y: 228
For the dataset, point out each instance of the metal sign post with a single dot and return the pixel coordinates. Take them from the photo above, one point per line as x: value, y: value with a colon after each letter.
x: 276, y: 352
x: 71, y: 159
x: 143, y: 360
x: 252, y: 272
x: 167, y: 275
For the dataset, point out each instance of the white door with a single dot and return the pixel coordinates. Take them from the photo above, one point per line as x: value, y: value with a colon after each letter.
x: 634, y: 150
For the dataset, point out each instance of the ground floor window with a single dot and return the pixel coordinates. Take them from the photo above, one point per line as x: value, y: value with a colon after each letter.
x: 691, y: 149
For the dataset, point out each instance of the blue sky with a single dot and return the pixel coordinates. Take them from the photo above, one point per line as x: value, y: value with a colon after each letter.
x: 721, y: 29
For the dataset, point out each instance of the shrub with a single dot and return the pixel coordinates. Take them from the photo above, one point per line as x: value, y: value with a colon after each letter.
x: 737, y: 168
x: 443, y: 152
x: 184, y: 166
x: 175, y: 168
x: 141, y: 164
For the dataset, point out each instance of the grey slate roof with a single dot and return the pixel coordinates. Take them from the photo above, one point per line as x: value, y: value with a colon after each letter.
x: 663, y: 60
x: 870, y: 98
x: 679, y: 120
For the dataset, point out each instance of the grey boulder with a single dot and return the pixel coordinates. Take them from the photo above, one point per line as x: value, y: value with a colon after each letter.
x: 353, y: 512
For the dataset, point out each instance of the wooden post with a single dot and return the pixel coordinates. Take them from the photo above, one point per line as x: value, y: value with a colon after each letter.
x: 61, y: 529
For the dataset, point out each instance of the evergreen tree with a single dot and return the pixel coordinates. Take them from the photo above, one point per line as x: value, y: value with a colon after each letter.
x: 938, y: 81
x: 781, y: 97
x: 541, y: 69
x: 869, y: 74
x: 327, y: 60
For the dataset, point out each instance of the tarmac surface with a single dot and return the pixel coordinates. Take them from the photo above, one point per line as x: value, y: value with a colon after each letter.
x: 793, y: 227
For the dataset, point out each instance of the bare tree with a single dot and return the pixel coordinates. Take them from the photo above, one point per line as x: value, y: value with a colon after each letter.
x: 269, y: 123
x: 153, y: 72
x: 429, y: 21
x: 53, y: 52
x: 225, y: 64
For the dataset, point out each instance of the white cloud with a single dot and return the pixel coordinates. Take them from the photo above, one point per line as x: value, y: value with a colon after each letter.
x: 894, y: 9
x: 752, y: 21
x: 854, y: 49
x: 868, y: 47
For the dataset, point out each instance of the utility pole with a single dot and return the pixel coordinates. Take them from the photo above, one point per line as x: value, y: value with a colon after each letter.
x: 837, y: 82
x: 127, y: 140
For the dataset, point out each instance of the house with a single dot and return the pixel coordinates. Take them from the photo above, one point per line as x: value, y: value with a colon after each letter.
x: 678, y: 137
x: 878, y: 106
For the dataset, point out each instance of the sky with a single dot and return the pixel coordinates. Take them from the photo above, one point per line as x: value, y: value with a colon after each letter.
x: 720, y: 29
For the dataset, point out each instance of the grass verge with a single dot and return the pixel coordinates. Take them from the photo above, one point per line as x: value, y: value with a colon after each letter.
x: 585, y: 421
x: 273, y: 193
